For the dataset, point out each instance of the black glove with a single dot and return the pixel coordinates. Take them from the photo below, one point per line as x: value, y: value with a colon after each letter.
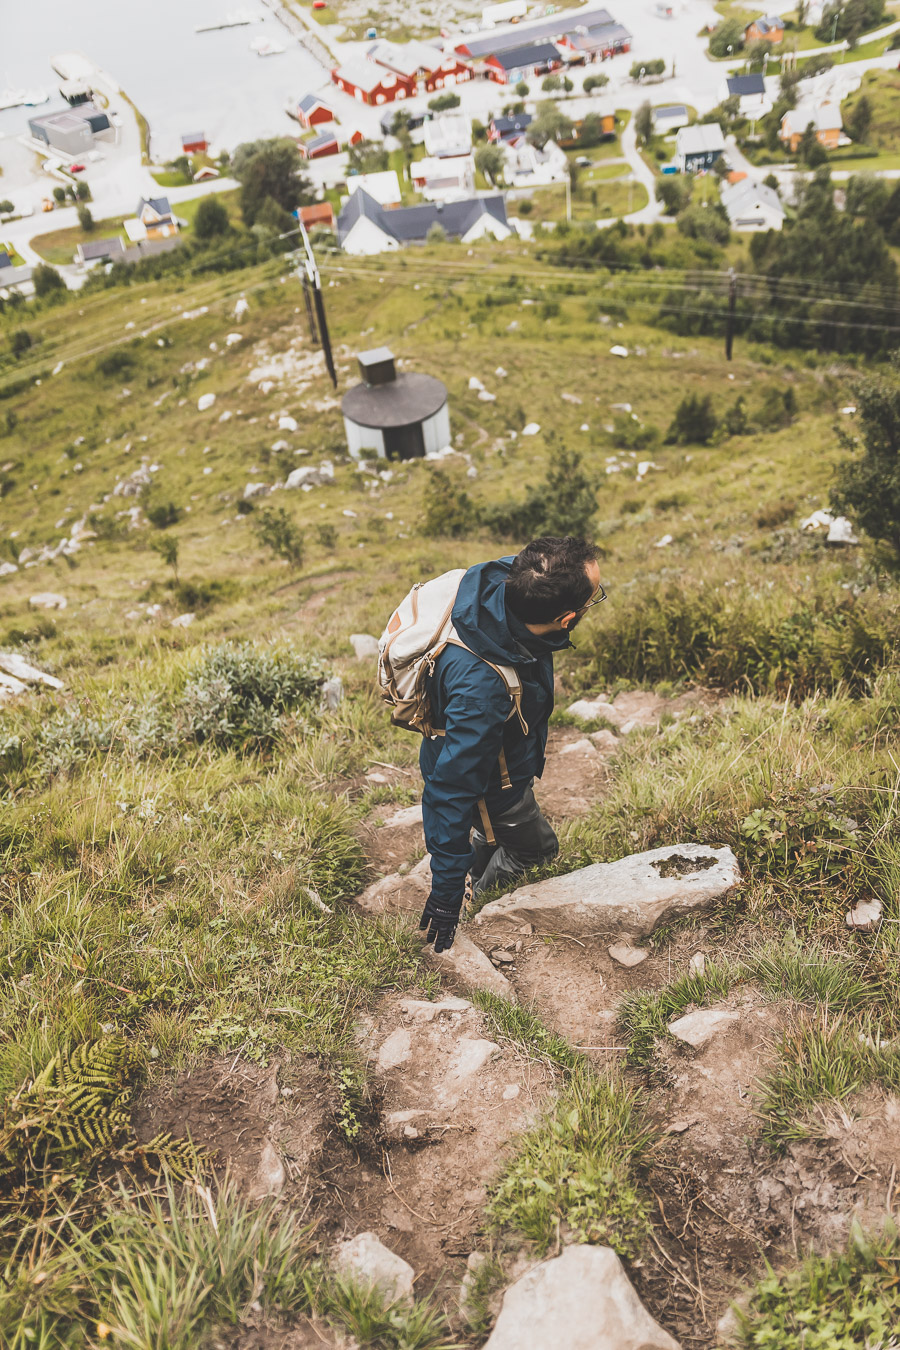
x: 441, y: 924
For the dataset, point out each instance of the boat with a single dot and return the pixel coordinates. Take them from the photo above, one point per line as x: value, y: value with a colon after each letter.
x: 11, y: 98
x: 266, y: 47
x: 235, y: 18
x: 32, y: 97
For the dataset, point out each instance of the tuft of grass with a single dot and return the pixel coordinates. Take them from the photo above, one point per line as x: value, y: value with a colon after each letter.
x: 574, y: 1170
x: 525, y: 1030
x: 835, y: 1302
x: 645, y: 1014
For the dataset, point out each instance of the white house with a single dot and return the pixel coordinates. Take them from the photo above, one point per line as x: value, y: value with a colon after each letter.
x: 447, y: 136
x: 698, y: 147
x: 752, y: 206
x: 383, y: 187
x: 750, y: 92
x: 441, y: 179
x: 365, y: 228
x: 527, y: 166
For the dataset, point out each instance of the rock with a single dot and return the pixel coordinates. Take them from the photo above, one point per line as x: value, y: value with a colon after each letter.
x: 47, y: 600
x: 399, y: 891
x: 592, y: 709
x: 666, y: 540
x: 7, y: 569
x: 485, y: 396
x: 22, y: 670
x: 270, y: 1175
x: 500, y: 957
x: 183, y: 621
x: 367, y: 1260
x: 205, y: 401
x: 819, y: 520
x: 865, y: 917
x: 630, y: 896
x: 585, y: 1291
x: 606, y: 741
x: 471, y: 967
x: 407, y: 815
x: 286, y: 423
x: 309, y: 476
x: 255, y: 490
x: 628, y: 956
x: 618, y: 351
x: 697, y: 963
x: 332, y: 693
x: 531, y: 429
x: 365, y: 647
x: 474, y: 1262
x: 394, y: 1051
x: 699, y: 1027
x: 621, y: 407
x: 500, y: 373
x: 422, y: 1010
x: 840, y: 531
x: 580, y: 747
x: 471, y: 1057
x: 511, y: 1091
x: 475, y: 383
x: 570, y: 398
x: 10, y: 686
x: 232, y: 338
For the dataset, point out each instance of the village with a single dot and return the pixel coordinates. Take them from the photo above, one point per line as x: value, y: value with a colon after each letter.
x: 522, y: 119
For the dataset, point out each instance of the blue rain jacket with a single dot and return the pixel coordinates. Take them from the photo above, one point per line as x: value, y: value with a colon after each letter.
x: 471, y: 702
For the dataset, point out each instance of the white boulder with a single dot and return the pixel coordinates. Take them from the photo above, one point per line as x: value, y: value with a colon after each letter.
x: 287, y: 424
x: 7, y: 569
x: 698, y: 1027
x: 631, y: 896
x: 21, y: 669
x: 270, y: 1174
x: 582, y: 1300
x: 840, y: 531
x: 472, y: 968
x: 531, y: 429
x: 255, y: 490
x: 365, y: 646
x: 618, y: 351
x: 624, y: 955
x: 47, y: 600
x: 368, y: 1261
x: 475, y: 383
x: 865, y: 916
x: 205, y: 401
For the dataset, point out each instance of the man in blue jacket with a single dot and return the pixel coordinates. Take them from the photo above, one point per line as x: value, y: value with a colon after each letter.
x: 516, y: 611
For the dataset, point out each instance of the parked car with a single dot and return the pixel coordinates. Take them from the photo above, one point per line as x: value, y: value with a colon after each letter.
x: 76, y: 168
x: 583, y: 161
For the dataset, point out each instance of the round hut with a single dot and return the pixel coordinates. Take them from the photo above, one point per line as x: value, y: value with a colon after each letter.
x: 394, y: 416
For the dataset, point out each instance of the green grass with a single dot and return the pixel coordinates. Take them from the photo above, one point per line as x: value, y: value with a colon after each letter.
x: 230, y: 200
x: 882, y: 89
x: 595, y: 198
x: 58, y: 246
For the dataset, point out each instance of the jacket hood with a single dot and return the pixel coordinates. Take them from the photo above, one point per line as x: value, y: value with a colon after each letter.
x: 480, y: 618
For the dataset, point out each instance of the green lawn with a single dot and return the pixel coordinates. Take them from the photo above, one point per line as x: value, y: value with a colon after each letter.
x: 595, y: 200
x: 169, y: 178
x: 58, y: 247
x: 863, y: 165
x: 188, y: 210
x: 882, y: 90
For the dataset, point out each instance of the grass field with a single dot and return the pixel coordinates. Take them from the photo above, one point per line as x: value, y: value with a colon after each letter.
x: 165, y: 817
x: 596, y: 196
x: 58, y: 246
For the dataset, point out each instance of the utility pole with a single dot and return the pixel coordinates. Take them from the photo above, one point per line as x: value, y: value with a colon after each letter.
x: 308, y: 272
x: 729, y: 328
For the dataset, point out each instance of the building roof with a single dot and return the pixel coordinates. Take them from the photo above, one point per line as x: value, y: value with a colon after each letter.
x: 411, y: 397
x: 532, y: 54
x: 383, y: 187
x: 700, y: 139
x: 68, y: 119
x: 101, y: 248
x: 310, y: 101
x: 15, y: 276
x: 599, y: 37
x: 772, y: 22
x: 823, y: 114
x: 406, y: 58
x: 192, y: 137
x: 569, y: 21
x: 432, y: 166
x: 674, y: 110
x: 319, y: 142
x: 362, y: 74
x: 448, y: 135
x: 320, y: 213
x: 160, y: 205
x: 148, y: 247
x: 741, y: 199
x: 5, y: 259
x: 509, y: 126
x: 745, y: 84
x: 410, y: 224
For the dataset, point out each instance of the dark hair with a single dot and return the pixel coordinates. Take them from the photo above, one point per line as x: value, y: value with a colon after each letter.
x: 548, y: 578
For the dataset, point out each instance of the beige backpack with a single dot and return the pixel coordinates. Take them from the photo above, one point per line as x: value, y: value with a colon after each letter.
x: 418, y: 631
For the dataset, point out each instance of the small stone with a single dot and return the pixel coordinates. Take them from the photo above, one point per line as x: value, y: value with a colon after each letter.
x: 475, y: 383
x: 21, y: 669
x: 486, y: 397
x: 47, y: 600
x: 270, y: 1175
x: 205, y: 401
x: 579, y: 747
x: 410, y: 1132
x: 606, y: 741
x: 183, y: 621
x: 697, y: 1028
x: 286, y: 423
x: 697, y: 963
x: 532, y: 429
x: 502, y: 958
x: 511, y: 1091
x: 618, y: 351
x: 422, y: 1010
x: 394, y: 1051
x: 365, y: 646
x: 407, y: 815
x: 366, y: 1258
x: 628, y: 956
x: 471, y: 1057
x: 472, y: 968
x: 865, y: 917
x: 7, y: 569
x: 332, y: 693
x: 678, y: 1126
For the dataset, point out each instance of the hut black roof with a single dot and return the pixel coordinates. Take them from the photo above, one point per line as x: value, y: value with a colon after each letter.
x: 410, y: 398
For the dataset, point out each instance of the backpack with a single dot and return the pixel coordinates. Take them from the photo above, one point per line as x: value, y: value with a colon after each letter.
x: 418, y: 631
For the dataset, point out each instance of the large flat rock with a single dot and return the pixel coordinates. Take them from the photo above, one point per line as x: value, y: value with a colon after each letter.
x: 469, y: 966
x: 629, y: 897
x: 582, y: 1300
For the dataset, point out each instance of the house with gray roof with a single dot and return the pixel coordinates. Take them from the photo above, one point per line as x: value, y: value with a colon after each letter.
x: 364, y: 227
x: 72, y: 130
x: 698, y: 147
x: 95, y: 251
x: 752, y: 206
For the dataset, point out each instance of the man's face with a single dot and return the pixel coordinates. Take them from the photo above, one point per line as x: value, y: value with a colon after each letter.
x: 592, y: 570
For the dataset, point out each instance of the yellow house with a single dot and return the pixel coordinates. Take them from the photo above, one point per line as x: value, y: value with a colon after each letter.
x: 155, y: 215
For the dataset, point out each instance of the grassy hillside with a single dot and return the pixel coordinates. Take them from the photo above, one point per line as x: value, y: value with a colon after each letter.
x: 175, y: 819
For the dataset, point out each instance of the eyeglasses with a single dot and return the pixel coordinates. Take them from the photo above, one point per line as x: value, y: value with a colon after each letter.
x: 598, y: 597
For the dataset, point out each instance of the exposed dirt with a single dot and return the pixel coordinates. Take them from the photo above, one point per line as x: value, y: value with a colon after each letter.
x: 234, y: 1109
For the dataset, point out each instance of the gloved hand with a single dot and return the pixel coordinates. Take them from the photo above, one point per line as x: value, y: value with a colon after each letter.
x: 441, y: 924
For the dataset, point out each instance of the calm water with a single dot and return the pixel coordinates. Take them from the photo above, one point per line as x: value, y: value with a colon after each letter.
x: 181, y: 80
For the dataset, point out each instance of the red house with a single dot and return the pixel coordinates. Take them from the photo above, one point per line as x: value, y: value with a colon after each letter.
x: 312, y: 110
x: 427, y: 66
x: 320, y: 213
x: 372, y: 84
x: 320, y: 146
x: 194, y: 142
x: 523, y: 63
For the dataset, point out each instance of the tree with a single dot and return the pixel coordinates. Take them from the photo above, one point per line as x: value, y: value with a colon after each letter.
x: 702, y: 221
x: 735, y: 422
x: 860, y: 119
x: 269, y: 171
x: 449, y: 510
x: 211, y: 219
x: 591, y: 131
x: 277, y: 531
x: 643, y: 123
x: 567, y: 84
x: 59, y: 195
x: 811, y: 152
x: 551, y: 124
x: 479, y: 131
x: 771, y: 181
x: 844, y: 20
x: 728, y: 38
x: 866, y: 196
x: 564, y: 503
x: 46, y: 281
x: 593, y: 82
x: 491, y: 161
x: 551, y: 83
x: 182, y: 165
x: 674, y: 191
x: 167, y: 548
x: 6, y: 207
x: 82, y: 191
x: 85, y: 219
x: 444, y: 102
x: 641, y: 68
x: 755, y: 55
x: 522, y: 89
x: 368, y: 157
x: 694, y: 422
x: 868, y: 481
x: 20, y: 342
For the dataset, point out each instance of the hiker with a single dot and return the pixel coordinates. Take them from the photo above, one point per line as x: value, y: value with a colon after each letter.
x: 479, y: 686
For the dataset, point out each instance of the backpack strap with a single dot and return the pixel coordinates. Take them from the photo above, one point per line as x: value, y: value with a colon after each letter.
x: 508, y: 674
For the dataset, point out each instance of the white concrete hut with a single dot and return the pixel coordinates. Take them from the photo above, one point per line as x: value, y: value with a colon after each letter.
x: 394, y: 416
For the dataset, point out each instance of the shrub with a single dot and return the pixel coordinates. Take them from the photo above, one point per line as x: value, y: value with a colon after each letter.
x: 47, y: 281
x: 118, y: 363
x: 564, y: 503
x: 327, y: 537
x: 276, y: 530
x: 211, y: 219
x: 444, y: 102
x: 85, y: 218
x: 20, y: 342
x: 593, y: 82
x: 163, y: 515
x: 868, y: 482
x: 525, y: 208
x: 674, y: 191
x: 449, y: 510
x: 694, y: 422
x: 631, y: 434
x: 240, y: 694
x: 6, y: 207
